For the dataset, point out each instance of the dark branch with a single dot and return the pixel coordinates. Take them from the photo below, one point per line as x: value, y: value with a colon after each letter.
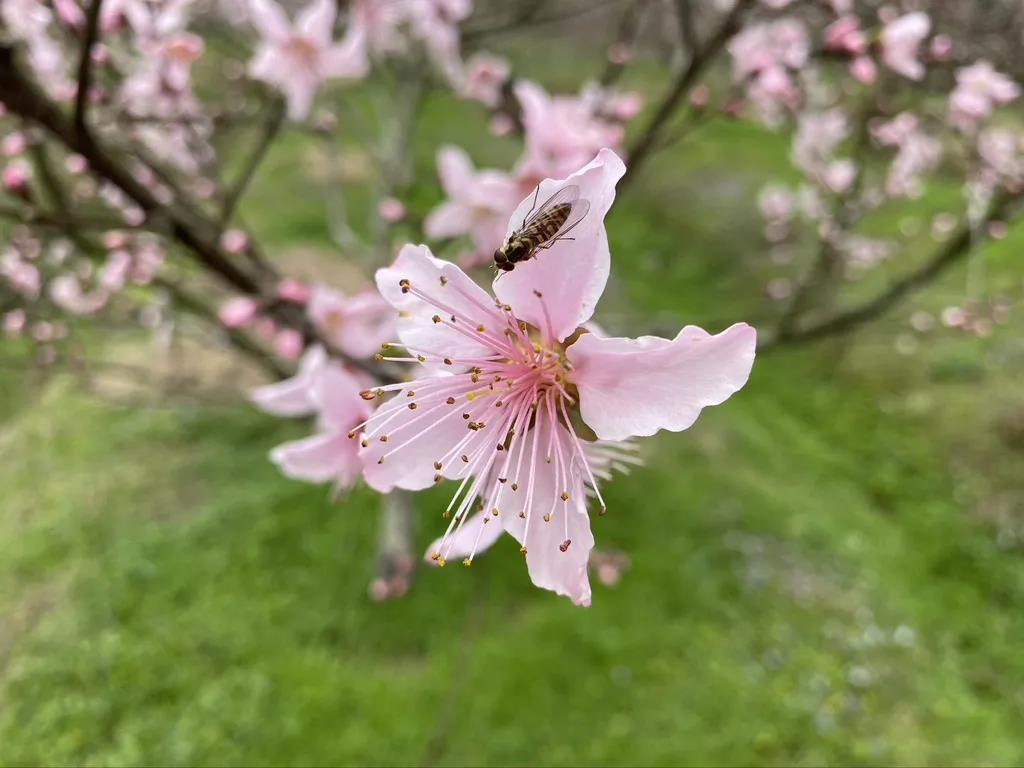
x: 648, y: 140
x: 92, y: 26
x: 271, y: 127
x: 956, y: 249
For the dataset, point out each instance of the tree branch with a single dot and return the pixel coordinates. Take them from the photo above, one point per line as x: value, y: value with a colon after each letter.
x: 271, y: 127
x: 647, y: 141
x: 92, y: 25
x: 956, y: 249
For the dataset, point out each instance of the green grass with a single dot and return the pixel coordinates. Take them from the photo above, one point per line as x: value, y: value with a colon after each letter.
x: 828, y: 569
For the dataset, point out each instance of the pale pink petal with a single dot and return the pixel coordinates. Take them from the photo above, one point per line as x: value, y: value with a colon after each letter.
x: 335, y: 392
x: 572, y: 274
x: 367, y: 322
x: 270, y: 20
x: 348, y: 58
x: 316, y: 21
x: 293, y: 397
x: 455, y: 170
x: 470, y: 539
x: 447, y: 220
x: 319, y: 459
x: 451, y: 292
x: 299, y: 93
x: 634, y: 387
x: 563, y: 571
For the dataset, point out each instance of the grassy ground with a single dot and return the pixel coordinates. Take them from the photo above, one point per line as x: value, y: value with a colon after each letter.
x: 827, y: 569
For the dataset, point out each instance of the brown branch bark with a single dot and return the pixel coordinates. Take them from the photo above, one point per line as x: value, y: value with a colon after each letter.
x: 92, y: 26
x: 953, y: 251
x: 645, y: 144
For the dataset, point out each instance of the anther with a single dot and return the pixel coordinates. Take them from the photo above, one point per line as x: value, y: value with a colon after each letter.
x: 450, y: 401
x: 465, y: 415
x: 365, y: 443
x: 603, y: 512
x: 480, y: 328
x: 437, y: 465
x: 380, y: 460
x: 495, y: 512
x: 565, y: 496
x: 547, y: 518
x: 467, y: 562
x: 410, y: 393
x: 412, y: 406
x: 436, y: 556
x: 465, y: 459
x: 522, y: 551
x: 515, y: 486
x: 444, y: 281
x: 437, y: 478
x: 503, y: 480
x: 564, y: 546
x: 436, y: 318
x: 447, y: 361
x: 352, y: 435
x: 383, y: 438
x: 367, y: 394
x: 421, y: 358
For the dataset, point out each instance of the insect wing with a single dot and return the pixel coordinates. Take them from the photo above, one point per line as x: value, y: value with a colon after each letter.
x: 568, y: 194
x: 579, y: 210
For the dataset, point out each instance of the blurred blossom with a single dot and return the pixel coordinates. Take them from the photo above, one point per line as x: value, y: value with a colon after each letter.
x: 779, y: 288
x: 562, y: 132
x: 845, y: 36
x: 901, y: 40
x: 953, y: 317
x: 288, y: 344
x: 483, y: 78
x: 15, y: 178
x: 14, y: 322
x: 327, y: 389
x: 941, y: 47
x: 13, y: 144
x: 66, y: 292
x: 293, y: 291
x: 979, y: 90
x: 922, y: 321
x: 20, y: 275
x: 609, y: 566
x: 765, y: 58
x: 817, y: 136
x: 700, y: 96
x: 234, y: 241
x: 391, y: 210
x: 356, y: 325
x: 917, y: 156
x: 478, y: 205
x: 76, y: 164
x: 997, y: 230
x: 297, y: 57
x: 863, y: 70
x: 943, y: 225
x: 238, y: 312
x: 619, y: 54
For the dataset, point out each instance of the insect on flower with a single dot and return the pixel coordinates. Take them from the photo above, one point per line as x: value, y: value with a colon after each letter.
x: 543, y: 227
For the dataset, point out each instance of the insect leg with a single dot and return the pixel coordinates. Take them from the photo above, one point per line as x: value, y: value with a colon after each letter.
x: 532, y: 207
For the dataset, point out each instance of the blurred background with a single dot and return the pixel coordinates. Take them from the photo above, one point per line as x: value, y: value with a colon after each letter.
x: 828, y: 569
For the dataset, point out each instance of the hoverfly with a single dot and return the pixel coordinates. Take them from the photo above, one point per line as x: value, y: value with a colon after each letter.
x: 542, y: 227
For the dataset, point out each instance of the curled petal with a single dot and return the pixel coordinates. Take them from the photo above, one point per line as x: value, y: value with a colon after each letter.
x: 571, y: 274
x: 319, y: 459
x: 270, y: 20
x: 293, y: 397
x: 477, y: 535
x: 634, y: 387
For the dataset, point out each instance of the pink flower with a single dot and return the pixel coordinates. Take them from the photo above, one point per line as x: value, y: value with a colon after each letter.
x: 288, y: 344
x: 332, y: 393
x: 22, y: 276
x: 818, y: 134
x: 918, y: 155
x: 478, y: 205
x: 979, y: 90
x: 356, y: 326
x: 14, y: 144
x: 14, y: 322
x: 238, y: 312
x: 507, y: 378
x: 845, y: 36
x: 391, y: 210
x: 901, y: 41
x: 483, y: 77
x: 293, y: 291
x: 435, y: 23
x: 15, y: 178
x: 66, y: 292
x: 234, y: 241
x: 764, y: 58
x: 863, y: 70
x: 562, y: 132
x: 297, y: 58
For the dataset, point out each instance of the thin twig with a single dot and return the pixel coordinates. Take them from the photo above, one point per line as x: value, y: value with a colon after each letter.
x: 271, y: 127
x: 647, y: 141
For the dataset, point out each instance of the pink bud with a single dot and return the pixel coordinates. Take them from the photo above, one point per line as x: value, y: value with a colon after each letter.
x: 238, y: 312
x: 14, y: 322
x: 234, y: 241
x: 699, y: 97
x: 266, y: 328
x: 288, y: 344
x: 76, y: 165
x: 391, y: 210
x: 15, y: 179
x: 13, y: 144
x: 619, y: 54
x: 863, y: 70
x: 941, y: 47
x: 292, y: 290
x: 502, y: 125
x: 114, y: 239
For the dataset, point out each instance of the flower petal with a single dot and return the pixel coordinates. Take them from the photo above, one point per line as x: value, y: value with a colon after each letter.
x: 336, y: 395
x: 470, y: 540
x: 449, y: 219
x: 551, y: 567
x: 634, y: 387
x: 571, y: 275
x: 270, y: 20
x: 292, y: 397
x: 319, y: 459
x: 449, y: 293
x: 316, y: 21
x: 455, y: 170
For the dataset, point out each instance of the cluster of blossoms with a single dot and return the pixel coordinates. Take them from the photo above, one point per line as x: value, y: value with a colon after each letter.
x: 516, y: 397
x: 856, y: 160
x: 561, y: 134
